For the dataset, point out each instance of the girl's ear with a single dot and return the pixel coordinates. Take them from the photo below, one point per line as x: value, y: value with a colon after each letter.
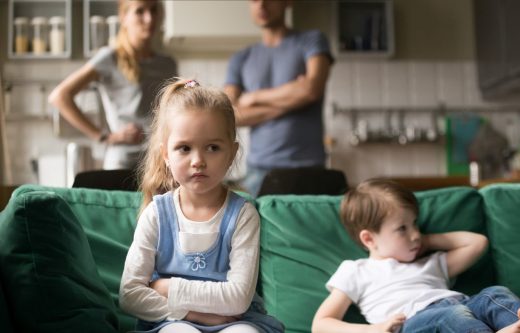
x: 367, y: 238
x: 164, y: 152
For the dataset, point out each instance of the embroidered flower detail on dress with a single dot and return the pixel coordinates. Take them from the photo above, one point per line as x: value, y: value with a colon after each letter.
x: 198, y: 261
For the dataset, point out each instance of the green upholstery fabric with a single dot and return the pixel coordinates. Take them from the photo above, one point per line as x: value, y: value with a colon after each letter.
x: 108, y: 219
x: 303, y: 243
x: 502, y: 207
x: 47, y: 270
x: 5, y: 320
x: 458, y: 208
x: 52, y: 239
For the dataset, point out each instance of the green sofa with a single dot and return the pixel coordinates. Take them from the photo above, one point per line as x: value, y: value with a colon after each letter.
x: 62, y: 252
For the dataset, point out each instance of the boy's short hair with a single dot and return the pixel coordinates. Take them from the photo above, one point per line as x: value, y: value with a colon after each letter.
x: 368, y: 204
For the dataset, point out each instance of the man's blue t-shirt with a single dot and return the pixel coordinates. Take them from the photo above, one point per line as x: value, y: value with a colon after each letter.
x: 296, y: 138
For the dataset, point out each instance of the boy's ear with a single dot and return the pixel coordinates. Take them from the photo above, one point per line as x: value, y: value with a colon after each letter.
x: 366, y: 237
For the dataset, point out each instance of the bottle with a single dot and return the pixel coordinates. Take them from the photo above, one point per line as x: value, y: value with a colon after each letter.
x: 21, y: 33
x: 39, y: 39
x: 113, y: 27
x: 474, y: 173
x: 57, y: 34
x: 97, y: 32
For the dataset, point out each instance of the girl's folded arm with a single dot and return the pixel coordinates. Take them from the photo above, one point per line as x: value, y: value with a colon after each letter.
x: 135, y: 295
x: 233, y: 296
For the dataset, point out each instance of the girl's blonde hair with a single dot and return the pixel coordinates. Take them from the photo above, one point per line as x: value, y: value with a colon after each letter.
x: 177, y: 96
x: 367, y: 205
x: 125, y: 53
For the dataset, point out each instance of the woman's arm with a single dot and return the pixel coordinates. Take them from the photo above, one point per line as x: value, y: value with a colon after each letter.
x: 229, y: 298
x: 62, y: 97
x: 463, y: 248
x: 329, y: 317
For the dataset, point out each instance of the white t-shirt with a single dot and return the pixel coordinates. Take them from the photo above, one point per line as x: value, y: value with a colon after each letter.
x: 382, y: 288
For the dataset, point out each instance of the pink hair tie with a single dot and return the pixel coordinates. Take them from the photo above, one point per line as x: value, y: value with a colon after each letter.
x: 191, y: 84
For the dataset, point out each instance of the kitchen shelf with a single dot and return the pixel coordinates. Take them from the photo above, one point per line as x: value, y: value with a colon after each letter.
x: 103, y: 8
x: 364, y: 28
x: 35, y: 8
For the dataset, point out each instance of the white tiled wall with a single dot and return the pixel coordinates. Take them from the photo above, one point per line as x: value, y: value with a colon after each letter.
x: 353, y: 83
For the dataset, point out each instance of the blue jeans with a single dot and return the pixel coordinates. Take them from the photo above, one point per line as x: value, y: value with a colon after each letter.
x: 489, y: 311
x: 253, y: 180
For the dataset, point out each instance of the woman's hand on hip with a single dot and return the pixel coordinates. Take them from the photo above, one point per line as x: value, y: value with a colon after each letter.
x: 131, y: 134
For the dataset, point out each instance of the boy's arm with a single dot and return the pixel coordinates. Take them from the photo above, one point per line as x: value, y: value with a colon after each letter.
x: 463, y: 248
x: 328, y: 318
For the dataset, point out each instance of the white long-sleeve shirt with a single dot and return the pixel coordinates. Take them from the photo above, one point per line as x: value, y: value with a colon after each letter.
x: 224, y: 298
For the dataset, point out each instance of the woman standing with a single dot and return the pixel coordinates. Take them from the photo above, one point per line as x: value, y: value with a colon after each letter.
x: 128, y: 78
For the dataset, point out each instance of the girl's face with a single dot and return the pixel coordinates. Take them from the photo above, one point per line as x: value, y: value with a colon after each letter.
x: 141, y: 18
x: 398, y: 238
x: 198, y: 150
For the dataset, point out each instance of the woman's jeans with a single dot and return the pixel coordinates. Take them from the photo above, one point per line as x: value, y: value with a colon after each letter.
x: 489, y: 311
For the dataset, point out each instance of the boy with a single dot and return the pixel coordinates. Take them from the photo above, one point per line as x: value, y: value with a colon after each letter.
x: 395, y: 288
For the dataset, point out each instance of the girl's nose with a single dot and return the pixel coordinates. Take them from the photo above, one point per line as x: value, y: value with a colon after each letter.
x: 198, y: 162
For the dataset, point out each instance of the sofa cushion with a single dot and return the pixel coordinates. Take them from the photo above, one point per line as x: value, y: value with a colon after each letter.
x: 47, y: 270
x: 303, y: 243
x: 502, y: 202
x: 108, y: 219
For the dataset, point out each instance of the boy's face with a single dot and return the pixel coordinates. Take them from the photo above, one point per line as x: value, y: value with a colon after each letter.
x: 398, y: 238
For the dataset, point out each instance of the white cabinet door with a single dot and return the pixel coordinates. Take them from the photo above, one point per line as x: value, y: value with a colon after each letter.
x: 209, y: 18
x: 210, y: 25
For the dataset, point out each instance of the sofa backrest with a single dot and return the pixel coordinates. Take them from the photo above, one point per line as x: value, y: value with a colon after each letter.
x: 502, y: 209
x: 303, y: 243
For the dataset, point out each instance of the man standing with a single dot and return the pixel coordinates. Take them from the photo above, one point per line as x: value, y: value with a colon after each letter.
x: 277, y: 87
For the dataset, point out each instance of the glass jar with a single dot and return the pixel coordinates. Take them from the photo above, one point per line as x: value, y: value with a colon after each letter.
x: 97, y: 32
x: 57, y: 34
x: 21, y: 35
x: 39, y: 37
x: 113, y: 27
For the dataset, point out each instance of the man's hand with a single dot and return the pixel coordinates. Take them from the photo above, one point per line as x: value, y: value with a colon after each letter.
x: 391, y: 325
x: 247, y: 100
x: 209, y: 319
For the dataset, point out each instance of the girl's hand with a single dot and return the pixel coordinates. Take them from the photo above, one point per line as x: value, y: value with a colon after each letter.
x: 162, y: 286
x: 391, y: 325
x: 209, y: 319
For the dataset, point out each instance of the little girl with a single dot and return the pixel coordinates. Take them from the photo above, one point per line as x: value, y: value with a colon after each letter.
x: 193, y: 263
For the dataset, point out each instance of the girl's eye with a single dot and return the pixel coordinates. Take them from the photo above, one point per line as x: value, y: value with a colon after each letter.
x: 182, y: 149
x: 401, y: 228
x: 213, y: 148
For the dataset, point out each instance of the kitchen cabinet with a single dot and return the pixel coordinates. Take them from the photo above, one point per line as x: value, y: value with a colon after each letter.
x: 209, y: 25
x: 497, y: 47
x: 39, y: 29
x: 100, y: 24
x: 364, y: 28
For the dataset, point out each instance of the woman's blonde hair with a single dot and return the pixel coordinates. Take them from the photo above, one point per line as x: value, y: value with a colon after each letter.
x: 177, y: 96
x: 125, y: 53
